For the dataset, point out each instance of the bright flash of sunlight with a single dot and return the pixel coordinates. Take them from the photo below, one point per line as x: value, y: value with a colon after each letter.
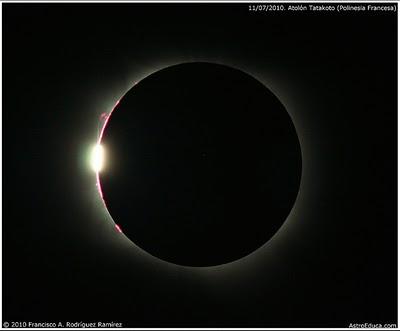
x: 97, y: 158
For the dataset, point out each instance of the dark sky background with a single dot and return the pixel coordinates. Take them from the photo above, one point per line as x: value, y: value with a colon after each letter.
x: 334, y: 261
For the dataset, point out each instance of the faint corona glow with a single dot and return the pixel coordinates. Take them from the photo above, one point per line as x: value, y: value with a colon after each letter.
x: 97, y: 158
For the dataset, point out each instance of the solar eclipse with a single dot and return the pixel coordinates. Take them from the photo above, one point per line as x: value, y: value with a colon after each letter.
x: 203, y: 164
x: 203, y: 222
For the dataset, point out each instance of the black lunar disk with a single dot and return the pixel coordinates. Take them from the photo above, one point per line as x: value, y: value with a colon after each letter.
x: 203, y: 164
